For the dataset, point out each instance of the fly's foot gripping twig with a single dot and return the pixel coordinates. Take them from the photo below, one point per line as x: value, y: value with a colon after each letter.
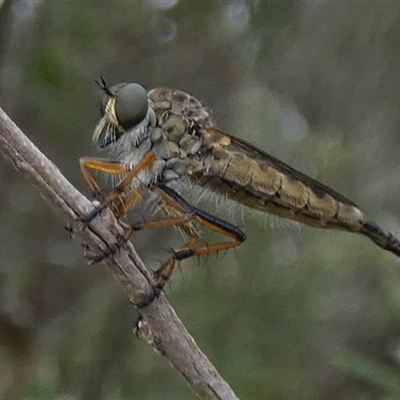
x: 110, y: 251
x: 97, y: 209
x: 144, y: 301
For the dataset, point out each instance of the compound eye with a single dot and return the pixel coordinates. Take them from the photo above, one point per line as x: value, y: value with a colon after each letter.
x: 131, y: 105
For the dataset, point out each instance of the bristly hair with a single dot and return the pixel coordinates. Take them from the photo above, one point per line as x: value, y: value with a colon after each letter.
x: 103, y: 85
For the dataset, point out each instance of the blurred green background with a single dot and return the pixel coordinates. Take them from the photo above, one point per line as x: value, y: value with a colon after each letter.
x: 293, y: 313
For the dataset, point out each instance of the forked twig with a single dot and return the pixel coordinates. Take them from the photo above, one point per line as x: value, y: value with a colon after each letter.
x: 161, y: 327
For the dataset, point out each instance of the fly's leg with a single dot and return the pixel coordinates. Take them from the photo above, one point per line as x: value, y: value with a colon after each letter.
x: 113, y: 167
x: 175, y: 201
x: 184, y: 218
x: 125, y: 204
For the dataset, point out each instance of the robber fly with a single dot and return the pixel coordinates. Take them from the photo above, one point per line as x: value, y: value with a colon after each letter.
x: 164, y: 140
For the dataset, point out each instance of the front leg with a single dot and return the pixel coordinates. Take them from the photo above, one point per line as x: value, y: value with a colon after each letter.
x: 111, y: 167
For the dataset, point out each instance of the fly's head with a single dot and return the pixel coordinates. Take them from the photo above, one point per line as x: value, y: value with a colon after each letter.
x: 124, y: 110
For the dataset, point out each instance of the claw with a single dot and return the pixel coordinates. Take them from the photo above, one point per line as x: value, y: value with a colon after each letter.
x: 91, y: 215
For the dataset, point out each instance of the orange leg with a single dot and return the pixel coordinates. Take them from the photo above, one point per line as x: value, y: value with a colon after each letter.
x: 175, y: 201
x: 128, y: 202
x: 113, y: 167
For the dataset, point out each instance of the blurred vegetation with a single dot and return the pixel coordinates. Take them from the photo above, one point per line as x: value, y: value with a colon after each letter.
x: 291, y: 314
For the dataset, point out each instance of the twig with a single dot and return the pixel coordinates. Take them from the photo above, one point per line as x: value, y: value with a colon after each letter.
x: 161, y: 327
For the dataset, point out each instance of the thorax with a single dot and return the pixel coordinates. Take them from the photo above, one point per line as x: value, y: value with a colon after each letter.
x: 171, y: 132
